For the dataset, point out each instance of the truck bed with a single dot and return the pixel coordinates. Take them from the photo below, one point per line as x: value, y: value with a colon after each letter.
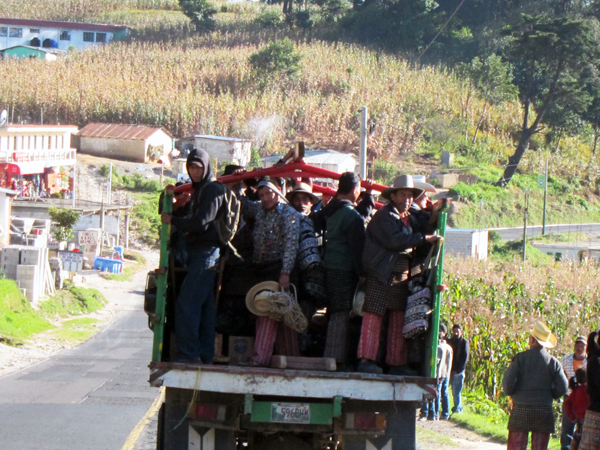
x: 285, y: 382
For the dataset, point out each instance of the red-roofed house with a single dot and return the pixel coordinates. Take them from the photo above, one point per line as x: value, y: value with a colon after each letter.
x: 127, y: 142
x: 54, y: 34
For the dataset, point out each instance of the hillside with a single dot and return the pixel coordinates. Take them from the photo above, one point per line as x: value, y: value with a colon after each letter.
x: 167, y: 74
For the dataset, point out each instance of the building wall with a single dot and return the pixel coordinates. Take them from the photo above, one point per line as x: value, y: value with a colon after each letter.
x: 23, y: 52
x: 467, y: 243
x: 5, y: 202
x: 238, y: 152
x: 35, y: 138
x: 160, y: 138
x: 128, y: 150
x: 76, y: 37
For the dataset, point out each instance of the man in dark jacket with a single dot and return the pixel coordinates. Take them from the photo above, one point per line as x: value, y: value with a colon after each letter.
x: 460, y: 349
x: 344, y: 239
x: 195, y: 308
x: 533, y: 379
x: 391, y: 237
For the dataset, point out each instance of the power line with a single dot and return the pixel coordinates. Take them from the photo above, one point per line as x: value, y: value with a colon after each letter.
x: 441, y: 29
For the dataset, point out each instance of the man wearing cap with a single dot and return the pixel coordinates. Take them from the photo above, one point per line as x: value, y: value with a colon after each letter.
x: 195, y: 308
x: 391, y: 237
x: 276, y: 233
x: 533, y: 379
x: 570, y: 364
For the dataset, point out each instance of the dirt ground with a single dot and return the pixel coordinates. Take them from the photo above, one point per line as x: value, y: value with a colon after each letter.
x: 447, y: 435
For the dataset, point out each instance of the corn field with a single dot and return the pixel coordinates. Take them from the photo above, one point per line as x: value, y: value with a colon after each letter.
x: 498, y: 302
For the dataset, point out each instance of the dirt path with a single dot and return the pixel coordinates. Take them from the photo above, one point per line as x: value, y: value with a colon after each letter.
x: 44, y: 345
x: 447, y: 435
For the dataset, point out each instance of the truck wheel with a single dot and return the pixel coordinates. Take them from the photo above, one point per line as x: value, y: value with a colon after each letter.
x: 283, y: 441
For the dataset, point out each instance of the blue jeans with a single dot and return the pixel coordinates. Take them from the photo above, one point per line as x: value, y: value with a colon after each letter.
x: 443, y: 398
x: 195, y: 311
x: 427, y: 410
x: 566, y: 432
x: 456, y: 381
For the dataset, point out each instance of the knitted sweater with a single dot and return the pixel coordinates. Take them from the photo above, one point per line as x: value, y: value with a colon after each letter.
x: 534, y: 377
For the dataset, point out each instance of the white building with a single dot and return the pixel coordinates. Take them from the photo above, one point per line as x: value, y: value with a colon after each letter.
x: 29, y: 150
x: 6, y: 196
x: 235, y: 150
x: 127, y: 142
x: 325, y: 159
x: 53, y: 34
x: 466, y: 243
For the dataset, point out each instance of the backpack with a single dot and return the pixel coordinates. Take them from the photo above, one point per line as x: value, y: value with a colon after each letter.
x: 227, y: 220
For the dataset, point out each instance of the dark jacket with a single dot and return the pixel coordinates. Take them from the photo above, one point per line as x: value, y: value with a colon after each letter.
x: 387, y: 237
x: 460, y: 350
x: 206, y: 202
x: 593, y: 383
x: 534, y: 377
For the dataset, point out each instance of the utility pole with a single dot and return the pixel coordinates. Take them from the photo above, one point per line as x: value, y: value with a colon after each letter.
x: 362, y: 154
x: 545, y: 198
x: 109, y: 187
x: 527, y: 191
x: 74, y: 190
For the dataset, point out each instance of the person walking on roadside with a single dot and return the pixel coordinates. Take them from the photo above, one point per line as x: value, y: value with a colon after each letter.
x: 576, y: 404
x: 533, y: 379
x: 570, y: 364
x: 460, y: 349
x: 430, y: 410
x: 590, y: 439
x: 195, y: 310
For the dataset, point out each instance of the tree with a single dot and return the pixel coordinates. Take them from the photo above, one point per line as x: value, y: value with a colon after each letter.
x: 277, y: 59
x: 200, y: 12
x: 64, y: 219
x: 493, y: 79
x: 550, y: 55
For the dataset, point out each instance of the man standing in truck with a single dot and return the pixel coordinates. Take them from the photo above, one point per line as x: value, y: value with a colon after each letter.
x: 195, y: 309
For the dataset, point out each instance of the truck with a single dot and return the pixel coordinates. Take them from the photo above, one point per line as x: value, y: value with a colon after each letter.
x: 230, y: 405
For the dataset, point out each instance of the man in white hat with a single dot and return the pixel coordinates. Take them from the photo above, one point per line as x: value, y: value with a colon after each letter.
x: 276, y: 233
x: 533, y: 379
x: 391, y: 237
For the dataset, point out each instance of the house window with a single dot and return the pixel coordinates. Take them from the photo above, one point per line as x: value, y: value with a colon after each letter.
x: 15, y: 32
x: 34, y: 30
x: 101, y: 37
x: 88, y: 36
x: 65, y: 35
x: 3, y: 31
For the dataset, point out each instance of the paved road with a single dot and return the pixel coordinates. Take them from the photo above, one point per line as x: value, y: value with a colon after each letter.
x: 510, y: 234
x: 89, y: 397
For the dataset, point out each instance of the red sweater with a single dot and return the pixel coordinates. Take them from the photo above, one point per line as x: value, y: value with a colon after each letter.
x: 577, y: 403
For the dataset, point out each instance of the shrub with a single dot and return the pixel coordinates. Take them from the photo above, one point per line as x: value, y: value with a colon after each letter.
x: 269, y: 18
x: 64, y: 219
x: 278, y: 58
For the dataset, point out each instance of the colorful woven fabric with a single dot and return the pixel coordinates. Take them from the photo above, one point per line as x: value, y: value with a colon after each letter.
x: 396, y: 345
x: 517, y: 440
x: 590, y: 439
x: 392, y: 295
x: 336, y: 345
x: 268, y: 331
x: 369, y: 336
x: 533, y: 418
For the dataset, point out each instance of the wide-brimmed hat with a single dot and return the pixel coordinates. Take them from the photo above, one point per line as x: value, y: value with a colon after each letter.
x: 302, y: 188
x: 543, y: 335
x: 402, y: 182
x: 257, y: 298
x: 425, y: 186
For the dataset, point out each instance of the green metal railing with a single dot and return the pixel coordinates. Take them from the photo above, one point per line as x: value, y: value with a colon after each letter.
x: 161, y: 278
x: 433, y: 336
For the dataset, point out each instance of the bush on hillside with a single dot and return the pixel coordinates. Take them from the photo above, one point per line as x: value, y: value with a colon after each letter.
x: 269, y: 18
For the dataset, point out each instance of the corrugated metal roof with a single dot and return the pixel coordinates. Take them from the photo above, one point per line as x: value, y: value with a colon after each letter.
x: 216, y: 138
x: 57, y: 24
x: 119, y: 131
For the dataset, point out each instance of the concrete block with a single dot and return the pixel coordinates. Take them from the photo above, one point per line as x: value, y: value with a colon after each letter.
x: 447, y: 180
x: 447, y: 158
x: 28, y: 276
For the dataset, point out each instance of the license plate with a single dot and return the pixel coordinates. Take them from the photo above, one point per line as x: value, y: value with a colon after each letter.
x: 290, y: 413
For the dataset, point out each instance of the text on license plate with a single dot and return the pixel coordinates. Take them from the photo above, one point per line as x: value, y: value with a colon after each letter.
x: 290, y: 412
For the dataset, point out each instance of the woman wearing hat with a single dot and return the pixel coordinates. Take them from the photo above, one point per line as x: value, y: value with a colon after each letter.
x: 534, y: 379
x: 392, y: 235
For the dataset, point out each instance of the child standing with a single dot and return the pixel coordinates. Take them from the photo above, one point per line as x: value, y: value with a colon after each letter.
x: 577, y: 403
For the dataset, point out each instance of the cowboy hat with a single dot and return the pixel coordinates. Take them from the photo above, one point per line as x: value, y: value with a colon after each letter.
x: 402, y: 182
x: 257, y: 298
x: 302, y: 188
x: 543, y: 335
x: 425, y: 186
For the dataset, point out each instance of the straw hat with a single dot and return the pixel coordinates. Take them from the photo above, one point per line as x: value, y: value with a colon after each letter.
x: 257, y: 298
x: 543, y: 335
x: 402, y: 182
x: 302, y: 188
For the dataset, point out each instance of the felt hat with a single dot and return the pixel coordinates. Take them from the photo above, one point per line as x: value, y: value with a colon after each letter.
x: 425, y: 186
x: 543, y: 335
x: 302, y: 188
x: 257, y: 298
x: 402, y: 182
